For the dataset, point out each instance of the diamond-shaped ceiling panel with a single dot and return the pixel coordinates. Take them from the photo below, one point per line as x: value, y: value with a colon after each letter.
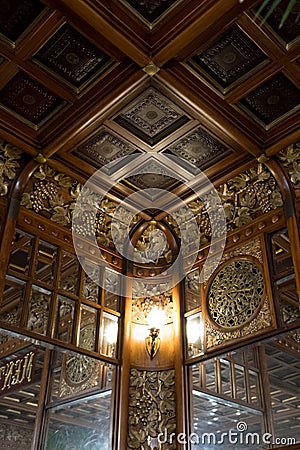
x: 29, y: 99
x: 153, y: 175
x: 17, y: 15
x: 103, y: 148
x: 200, y: 149
x: 273, y: 99
x: 151, y: 117
x: 71, y: 56
x: 232, y: 56
x: 151, y: 9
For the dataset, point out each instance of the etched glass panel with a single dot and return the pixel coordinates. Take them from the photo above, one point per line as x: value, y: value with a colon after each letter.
x: 11, y: 307
x: 192, y: 290
x: 20, y: 253
x: 69, y: 273
x: 45, y: 263
x: 111, y: 283
x: 88, y: 327
x: 39, y: 305
x: 64, y: 318
x: 109, y: 334
x: 90, y: 289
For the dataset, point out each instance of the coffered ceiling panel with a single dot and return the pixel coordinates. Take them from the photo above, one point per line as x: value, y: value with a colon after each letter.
x: 200, y: 149
x: 72, y: 57
x: 230, y: 57
x: 85, y: 82
x: 103, y: 148
x: 151, y: 117
x: 273, y: 99
x: 29, y: 99
x: 290, y: 30
x: 150, y: 10
x: 16, y: 16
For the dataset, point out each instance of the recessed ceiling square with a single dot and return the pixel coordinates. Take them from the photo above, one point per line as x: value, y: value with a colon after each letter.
x: 103, y: 148
x: 151, y: 10
x: 290, y: 30
x: 29, y: 99
x: 16, y: 16
x: 230, y: 57
x: 200, y: 149
x: 151, y: 117
x: 273, y: 99
x: 71, y: 56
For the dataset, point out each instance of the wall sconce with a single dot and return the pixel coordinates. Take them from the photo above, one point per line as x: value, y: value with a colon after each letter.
x: 156, y: 319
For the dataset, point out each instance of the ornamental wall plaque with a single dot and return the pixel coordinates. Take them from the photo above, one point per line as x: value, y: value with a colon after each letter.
x: 236, y: 293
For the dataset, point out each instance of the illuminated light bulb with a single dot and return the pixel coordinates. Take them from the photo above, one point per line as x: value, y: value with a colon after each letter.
x: 111, y: 332
x: 156, y: 318
x: 193, y: 331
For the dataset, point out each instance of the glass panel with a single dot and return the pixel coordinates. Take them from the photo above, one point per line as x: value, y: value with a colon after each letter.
x: 88, y: 325
x: 284, y: 376
x: 84, y: 424
x: 19, y: 392
x: 74, y: 374
x: 109, y: 335
x: 210, y: 376
x: 192, y: 290
x: 45, y: 263
x: 225, y: 377
x: 64, y: 318
x: 83, y: 386
x: 220, y: 425
x: 69, y: 273
x: 11, y: 308
x: 240, y: 383
x: 21, y: 253
x: 254, y: 388
x: 111, y: 282
x: 39, y: 305
x: 281, y: 252
x: 90, y: 290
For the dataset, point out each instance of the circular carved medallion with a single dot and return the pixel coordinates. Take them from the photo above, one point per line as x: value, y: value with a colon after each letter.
x: 235, y: 293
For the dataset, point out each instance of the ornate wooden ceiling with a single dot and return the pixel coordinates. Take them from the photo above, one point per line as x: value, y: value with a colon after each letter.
x: 89, y: 81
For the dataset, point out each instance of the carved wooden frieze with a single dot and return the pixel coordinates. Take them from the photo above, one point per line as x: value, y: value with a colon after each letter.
x: 27, y: 98
x: 16, y: 16
x: 232, y: 56
x: 142, y: 306
x: 151, y: 409
x: 9, y: 165
x: 272, y: 100
x: 151, y: 117
x: 290, y: 158
x: 200, y: 148
x: 71, y: 56
x: 244, y: 198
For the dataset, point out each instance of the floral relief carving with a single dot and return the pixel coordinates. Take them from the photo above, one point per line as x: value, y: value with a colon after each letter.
x: 290, y: 158
x: 216, y: 337
x: 151, y: 408
x: 9, y: 165
x: 244, y: 198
